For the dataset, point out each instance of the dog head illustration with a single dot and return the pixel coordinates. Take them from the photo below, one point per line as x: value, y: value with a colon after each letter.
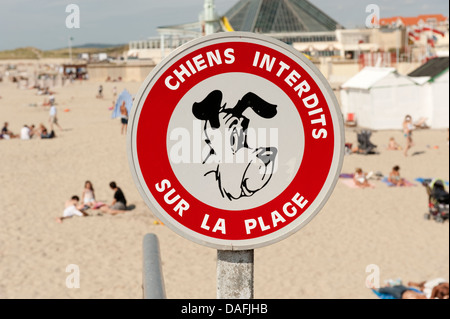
x: 236, y: 180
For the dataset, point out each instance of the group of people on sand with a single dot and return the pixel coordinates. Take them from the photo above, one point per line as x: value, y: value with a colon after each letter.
x: 407, y: 128
x: 361, y: 178
x: 75, y: 207
x: 27, y: 132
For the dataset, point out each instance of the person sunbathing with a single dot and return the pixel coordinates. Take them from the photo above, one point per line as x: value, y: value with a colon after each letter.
x: 360, y: 178
x: 437, y: 288
x: 433, y: 289
x: 393, y: 145
x: 394, y: 177
x: 43, y: 133
x: 401, y: 292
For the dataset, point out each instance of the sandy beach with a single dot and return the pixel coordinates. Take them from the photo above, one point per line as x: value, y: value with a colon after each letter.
x: 382, y: 226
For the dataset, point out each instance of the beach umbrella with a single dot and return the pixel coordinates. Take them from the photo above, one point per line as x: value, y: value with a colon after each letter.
x: 124, y: 96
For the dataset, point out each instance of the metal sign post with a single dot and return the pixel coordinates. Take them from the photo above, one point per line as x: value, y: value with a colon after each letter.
x: 235, y: 274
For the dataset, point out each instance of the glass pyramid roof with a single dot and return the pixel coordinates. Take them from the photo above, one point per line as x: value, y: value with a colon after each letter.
x: 277, y: 16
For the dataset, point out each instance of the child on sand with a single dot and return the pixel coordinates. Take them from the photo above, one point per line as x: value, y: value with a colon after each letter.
x: 88, y: 195
x: 72, y: 209
x: 394, y: 177
x: 393, y: 145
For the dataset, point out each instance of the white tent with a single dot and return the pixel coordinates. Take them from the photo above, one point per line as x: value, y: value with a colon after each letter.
x: 433, y: 80
x: 439, y: 100
x: 379, y: 98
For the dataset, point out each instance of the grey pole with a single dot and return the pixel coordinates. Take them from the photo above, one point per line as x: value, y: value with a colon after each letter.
x: 235, y: 274
x: 153, y: 280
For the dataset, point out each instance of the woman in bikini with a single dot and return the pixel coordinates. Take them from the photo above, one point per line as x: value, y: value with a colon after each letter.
x: 394, y: 177
x: 360, y: 178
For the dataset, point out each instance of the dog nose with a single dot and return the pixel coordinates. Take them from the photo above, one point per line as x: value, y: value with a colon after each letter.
x: 267, y: 154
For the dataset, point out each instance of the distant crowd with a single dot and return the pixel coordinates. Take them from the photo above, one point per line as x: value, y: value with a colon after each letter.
x: 31, y: 131
x: 27, y: 132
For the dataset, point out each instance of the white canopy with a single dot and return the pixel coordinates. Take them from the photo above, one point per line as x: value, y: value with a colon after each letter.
x: 370, y: 77
x: 379, y: 98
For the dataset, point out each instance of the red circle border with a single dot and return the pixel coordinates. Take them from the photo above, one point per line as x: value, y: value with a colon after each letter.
x: 151, y: 147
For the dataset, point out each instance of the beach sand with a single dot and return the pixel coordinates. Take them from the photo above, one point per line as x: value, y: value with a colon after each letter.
x: 383, y: 226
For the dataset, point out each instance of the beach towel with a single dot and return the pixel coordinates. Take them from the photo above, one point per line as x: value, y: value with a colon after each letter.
x: 407, y: 183
x: 124, y: 96
x: 98, y: 205
x: 371, y: 175
x: 428, y: 180
x: 349, y: 182
x: 388, y: 296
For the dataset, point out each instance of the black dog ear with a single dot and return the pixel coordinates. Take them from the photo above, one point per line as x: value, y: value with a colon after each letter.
x: 208, y: 109
x: 257, y: 104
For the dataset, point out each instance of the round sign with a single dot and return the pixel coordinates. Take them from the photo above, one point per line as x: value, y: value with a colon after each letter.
x: 235, y: 141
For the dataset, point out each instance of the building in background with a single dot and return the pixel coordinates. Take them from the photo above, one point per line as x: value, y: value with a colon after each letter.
x: 275, y: 18
x: 427, y: 35
x: 311, y: 31
x: 400, y: 42
x: 286, y: 20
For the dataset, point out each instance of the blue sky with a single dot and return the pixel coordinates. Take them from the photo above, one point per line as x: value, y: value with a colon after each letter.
x: 42, y: 23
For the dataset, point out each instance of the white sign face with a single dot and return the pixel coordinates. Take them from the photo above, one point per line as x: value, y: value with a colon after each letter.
x: 236, y: 141
x: 187, y: 152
